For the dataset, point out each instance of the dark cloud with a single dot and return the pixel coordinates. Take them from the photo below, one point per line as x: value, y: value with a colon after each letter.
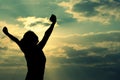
x: 81, y: 66
x: 37, y: 23
x: 101, y: 56
x: 87, y: 8
x: 103, y: 11
x: 113, y: 36
x: 33, y: 24
x: 71, y: 53
x: 117, y: 0
x: 93, y: 38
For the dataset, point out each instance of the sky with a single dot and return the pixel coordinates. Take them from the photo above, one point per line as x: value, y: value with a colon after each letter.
x: 84, y: 45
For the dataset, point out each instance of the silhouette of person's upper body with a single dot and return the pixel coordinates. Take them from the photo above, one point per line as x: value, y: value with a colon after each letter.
x: 33, y: 51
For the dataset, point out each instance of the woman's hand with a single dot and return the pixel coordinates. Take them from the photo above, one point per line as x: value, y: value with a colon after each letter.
x: 5, y: 30
x: 53, y: 18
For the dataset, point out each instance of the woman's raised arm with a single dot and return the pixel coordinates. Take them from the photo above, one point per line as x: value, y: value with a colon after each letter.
x: 5, y: 30
x: 48, y: 32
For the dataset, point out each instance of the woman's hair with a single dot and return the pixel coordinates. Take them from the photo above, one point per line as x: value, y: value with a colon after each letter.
x: 29, y: 38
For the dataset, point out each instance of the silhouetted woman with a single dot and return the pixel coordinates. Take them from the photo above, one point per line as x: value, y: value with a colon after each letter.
x: 32, y: 50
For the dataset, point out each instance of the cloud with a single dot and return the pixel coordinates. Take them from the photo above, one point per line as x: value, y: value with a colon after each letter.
x: 93, y: 10
x: 88, y: 63
x: 33, y: 23
x: 90, y: 49
x: 30, y: 22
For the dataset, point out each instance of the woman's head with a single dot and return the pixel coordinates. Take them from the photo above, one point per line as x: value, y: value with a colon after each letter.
x: 30, y: 38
